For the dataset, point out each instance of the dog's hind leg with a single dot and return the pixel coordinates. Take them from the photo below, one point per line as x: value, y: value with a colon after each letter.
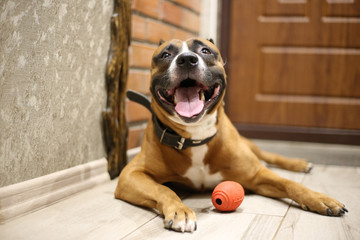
x: 292, y: 164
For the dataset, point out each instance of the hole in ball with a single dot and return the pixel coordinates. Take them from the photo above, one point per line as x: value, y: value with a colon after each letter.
x: 218, y: 201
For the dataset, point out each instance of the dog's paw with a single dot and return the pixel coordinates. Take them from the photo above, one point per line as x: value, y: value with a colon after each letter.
x: 309, y: 167
x: 301, y: 165
x: 325, y: 205
x: 181, y: 219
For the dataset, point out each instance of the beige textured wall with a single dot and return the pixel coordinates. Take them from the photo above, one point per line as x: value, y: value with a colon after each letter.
x: 52, y: 89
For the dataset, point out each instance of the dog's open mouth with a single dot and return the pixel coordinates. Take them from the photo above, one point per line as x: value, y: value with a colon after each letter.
x: 190, y: 97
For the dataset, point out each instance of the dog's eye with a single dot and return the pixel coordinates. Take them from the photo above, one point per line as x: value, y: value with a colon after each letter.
x: 165, y: 55
x: 205, y: 51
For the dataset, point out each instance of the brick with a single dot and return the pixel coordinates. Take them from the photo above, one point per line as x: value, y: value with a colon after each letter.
x: 135, y: 112
x: 138, y: 27
x: 171, y: 13
x: 190, y: 21
x: 182, y: 35
x: 157, y: 31
x: 140, y: 55
x: 195, y: 5
x: 148, y: 7
x: 139, y: 81
x: 135, y: 137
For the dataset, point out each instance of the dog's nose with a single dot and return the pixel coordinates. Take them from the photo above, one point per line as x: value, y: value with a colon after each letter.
x: 187, y: 59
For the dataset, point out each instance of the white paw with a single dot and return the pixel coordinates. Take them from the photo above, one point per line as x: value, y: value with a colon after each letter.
x: 181, y: 221
x: 183, y: 226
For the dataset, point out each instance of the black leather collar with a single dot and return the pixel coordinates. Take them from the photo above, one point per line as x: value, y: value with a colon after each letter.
x: 165, y: 134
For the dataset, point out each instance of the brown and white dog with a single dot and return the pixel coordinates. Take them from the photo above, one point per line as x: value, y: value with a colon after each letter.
x: 188, y: 85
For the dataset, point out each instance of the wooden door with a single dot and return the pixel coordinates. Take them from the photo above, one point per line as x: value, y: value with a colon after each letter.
x: 294, y: 68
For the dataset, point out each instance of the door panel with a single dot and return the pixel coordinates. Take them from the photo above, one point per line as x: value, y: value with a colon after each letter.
x: 294, y: 63
x: 312, y: 71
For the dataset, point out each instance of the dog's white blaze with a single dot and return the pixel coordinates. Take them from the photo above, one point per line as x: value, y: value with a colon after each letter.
x: 173, y: 65
x: 199, y: 173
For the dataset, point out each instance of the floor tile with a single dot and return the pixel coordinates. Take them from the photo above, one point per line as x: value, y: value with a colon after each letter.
x: 215, y: 225
x: 299, y: 224
x: 329, y: 175
x: 92, y: 214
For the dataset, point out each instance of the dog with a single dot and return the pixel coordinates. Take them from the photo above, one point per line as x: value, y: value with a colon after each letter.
x: 191, y: 141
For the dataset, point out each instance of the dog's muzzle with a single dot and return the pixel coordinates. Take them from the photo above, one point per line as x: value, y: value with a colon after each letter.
x: 191, y: 96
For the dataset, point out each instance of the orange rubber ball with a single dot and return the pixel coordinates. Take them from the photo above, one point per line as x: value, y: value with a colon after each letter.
x: 227, y: 196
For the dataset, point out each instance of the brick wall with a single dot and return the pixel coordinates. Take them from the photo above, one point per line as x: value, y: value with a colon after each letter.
x: 152, y: 21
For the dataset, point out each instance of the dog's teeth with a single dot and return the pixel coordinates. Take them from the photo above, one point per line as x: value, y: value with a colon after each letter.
x: 175, y: 100
x: 202, y: 96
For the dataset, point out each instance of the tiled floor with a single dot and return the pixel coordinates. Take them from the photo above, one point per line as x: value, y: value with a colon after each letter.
x: 95, y: 214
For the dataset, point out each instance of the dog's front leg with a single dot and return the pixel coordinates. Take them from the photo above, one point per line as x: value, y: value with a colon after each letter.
x: 268, y: 183
x: 139, y: 188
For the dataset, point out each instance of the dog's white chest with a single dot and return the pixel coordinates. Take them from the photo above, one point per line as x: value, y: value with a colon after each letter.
x: 199, y: 173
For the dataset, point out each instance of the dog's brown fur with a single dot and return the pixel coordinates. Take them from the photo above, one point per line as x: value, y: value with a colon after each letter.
x: 233, y: 156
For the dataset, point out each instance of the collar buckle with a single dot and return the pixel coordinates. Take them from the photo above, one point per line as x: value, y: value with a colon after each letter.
x: 180, y: 144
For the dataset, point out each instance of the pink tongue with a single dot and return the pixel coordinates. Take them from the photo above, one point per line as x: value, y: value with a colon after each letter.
x: 188, y: 102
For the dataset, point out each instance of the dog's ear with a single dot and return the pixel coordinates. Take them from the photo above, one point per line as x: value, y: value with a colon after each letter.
x: 211, y: 40
x: 161, y: 42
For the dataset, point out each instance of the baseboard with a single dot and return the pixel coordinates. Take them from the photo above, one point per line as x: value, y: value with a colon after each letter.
x: 28, y: 196
x: 300, y: 134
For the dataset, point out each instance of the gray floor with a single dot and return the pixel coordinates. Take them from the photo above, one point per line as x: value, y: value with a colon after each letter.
x: 95, y: 214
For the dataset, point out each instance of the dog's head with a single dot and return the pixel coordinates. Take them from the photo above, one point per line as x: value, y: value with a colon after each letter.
x: 188, y: 78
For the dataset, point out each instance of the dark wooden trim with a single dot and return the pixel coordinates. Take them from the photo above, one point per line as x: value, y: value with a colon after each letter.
x: 225, y: 36
x: 225, y: 29
x: 117, y: 67
x: 321, y: 135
